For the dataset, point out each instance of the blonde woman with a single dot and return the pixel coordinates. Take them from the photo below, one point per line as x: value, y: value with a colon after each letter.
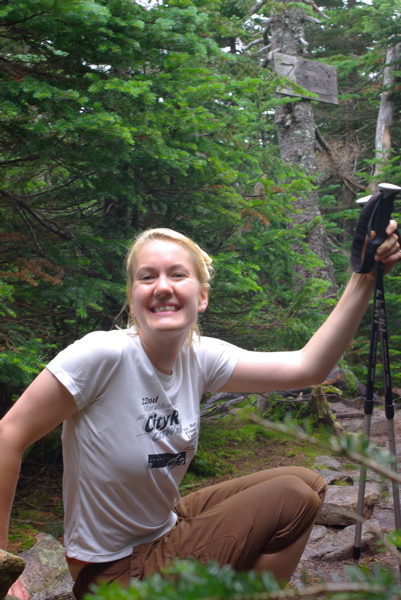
x: 129, y: 400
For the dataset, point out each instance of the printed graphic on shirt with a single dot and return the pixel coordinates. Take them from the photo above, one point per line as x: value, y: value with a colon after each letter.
x: 161, y: 420
x: 161, y: 423
x: 191, y: 433
x: 159, y: 461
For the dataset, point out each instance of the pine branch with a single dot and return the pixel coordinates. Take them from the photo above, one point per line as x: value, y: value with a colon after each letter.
x: 46, y: 223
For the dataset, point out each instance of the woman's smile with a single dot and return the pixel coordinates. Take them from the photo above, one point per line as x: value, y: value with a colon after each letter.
x: 168, y: 308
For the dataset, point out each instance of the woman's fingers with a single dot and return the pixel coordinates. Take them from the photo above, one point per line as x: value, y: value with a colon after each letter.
x: 389, y: 251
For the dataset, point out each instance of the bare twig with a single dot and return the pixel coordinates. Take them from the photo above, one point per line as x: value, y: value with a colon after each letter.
x: 258, y: 41
x: 317, y: 9
x: 257, y: 7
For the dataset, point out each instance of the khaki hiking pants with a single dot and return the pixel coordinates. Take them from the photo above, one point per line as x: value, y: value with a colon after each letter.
x: 233, y: 523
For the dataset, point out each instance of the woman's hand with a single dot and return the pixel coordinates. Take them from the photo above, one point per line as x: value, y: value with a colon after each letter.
x: 19, y: 590
x: 389, y: 252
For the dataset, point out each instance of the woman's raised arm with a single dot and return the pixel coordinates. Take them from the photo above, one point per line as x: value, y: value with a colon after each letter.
x: 269, y: 371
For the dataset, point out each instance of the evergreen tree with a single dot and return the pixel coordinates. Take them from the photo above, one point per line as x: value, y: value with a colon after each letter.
x: 117, y: 117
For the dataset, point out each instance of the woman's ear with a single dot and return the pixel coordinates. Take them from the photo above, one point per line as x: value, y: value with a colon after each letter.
x: 203, y: 302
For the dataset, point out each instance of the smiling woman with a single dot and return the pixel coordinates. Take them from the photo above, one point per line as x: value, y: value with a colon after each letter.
x: 165, y: 299
x: 130, y: 402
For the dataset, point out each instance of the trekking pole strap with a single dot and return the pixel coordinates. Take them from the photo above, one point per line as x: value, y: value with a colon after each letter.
x: 375, y: 216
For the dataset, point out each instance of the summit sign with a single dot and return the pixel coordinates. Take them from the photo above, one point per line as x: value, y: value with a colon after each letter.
x: 316, y: 77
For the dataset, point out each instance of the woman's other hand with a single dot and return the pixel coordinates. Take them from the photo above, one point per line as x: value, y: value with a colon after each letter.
x: 19, y: 590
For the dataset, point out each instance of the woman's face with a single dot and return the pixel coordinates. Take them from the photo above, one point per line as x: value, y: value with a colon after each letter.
x: 166, y: 294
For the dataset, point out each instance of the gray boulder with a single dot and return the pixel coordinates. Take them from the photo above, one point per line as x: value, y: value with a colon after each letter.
x: 327, y: 462
x: 46, y: 576
x: 341, y: 502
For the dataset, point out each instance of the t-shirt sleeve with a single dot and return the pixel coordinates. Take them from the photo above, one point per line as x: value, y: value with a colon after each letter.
x: 87, y: 366
x: 218, y: 360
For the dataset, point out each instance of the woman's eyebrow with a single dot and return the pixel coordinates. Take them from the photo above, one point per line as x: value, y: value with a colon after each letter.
x: 173, y: 267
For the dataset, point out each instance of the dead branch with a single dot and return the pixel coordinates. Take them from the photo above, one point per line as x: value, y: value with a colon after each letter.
x: 257, y: 7
x: 348, y: 181
x: 317, y: 9
x: 46, y: 223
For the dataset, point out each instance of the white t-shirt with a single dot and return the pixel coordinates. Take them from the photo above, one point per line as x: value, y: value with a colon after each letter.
x: 129, y: 445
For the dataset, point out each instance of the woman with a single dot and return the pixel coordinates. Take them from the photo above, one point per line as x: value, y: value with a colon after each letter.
x: 129, y: 400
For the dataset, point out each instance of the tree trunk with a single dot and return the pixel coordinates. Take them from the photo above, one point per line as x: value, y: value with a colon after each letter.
x: 318, y: 407
x: 386, y: 110
x: 296, y: 135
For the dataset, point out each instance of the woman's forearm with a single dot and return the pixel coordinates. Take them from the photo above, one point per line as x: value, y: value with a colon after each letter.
x: 10, y: 463
x: 332, y: 339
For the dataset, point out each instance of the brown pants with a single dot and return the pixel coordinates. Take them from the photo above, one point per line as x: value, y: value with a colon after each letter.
x: 233, y: 522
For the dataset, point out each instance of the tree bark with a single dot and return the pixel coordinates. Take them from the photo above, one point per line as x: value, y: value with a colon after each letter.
x: 295, y: 127
x: 383, y: 142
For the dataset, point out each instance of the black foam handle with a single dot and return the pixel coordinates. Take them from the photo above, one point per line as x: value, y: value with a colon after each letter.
x: 375, y: 216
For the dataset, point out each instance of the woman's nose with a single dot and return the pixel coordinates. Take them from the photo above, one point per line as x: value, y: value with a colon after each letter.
x: 163, y: 285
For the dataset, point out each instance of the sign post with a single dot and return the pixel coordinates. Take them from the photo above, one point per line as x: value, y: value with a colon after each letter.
x: 316, y: 77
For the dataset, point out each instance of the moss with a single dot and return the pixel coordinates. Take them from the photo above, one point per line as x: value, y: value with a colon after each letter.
x: 351, y: 379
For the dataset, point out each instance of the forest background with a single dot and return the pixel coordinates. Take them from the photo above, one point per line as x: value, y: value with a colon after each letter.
x: 119, y: 115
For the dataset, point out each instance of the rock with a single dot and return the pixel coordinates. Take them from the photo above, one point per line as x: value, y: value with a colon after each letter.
x: 355, y: 425
x: 328, y: 462
x: 11, y: 568
x: 341, y: 501
x: 335, y: 477
x: 338, y: 379
x: 378, y: 426
x: 337, y: 545
x: 385, y: 516
x: 46, y: 575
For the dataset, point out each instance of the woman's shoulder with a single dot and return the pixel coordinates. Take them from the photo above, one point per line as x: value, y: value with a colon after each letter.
x: 114, y: 337
x: 214, y: 344
x: 210, y: 348
x: 96, y: 345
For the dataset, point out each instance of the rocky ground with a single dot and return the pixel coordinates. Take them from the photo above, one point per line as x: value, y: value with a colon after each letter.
x: 330, y: 548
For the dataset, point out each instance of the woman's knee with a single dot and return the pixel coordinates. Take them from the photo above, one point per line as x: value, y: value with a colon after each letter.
x: 295, y: 499
x: 312, y: 479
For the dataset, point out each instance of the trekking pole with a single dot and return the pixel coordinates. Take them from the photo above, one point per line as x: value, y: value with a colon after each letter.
x: 375, y: 217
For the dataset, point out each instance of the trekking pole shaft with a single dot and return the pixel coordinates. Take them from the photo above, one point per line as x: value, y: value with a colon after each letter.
x: 381, y: 320
x: 368, y: 409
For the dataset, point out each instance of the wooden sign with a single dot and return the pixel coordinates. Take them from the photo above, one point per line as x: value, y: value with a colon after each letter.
x: 315, y: 77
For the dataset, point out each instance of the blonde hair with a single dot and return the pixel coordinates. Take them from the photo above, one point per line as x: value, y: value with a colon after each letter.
x: 201, y: 261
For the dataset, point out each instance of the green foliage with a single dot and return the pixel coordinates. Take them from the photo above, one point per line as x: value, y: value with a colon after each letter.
x: 221, y: 446
x: 355, y: 40
x: 116, y: 117
x: 204, y: 465
x: 20, y: 363
x: 279, y: 409
x: 189, y: 580
x: 23, y: 534
x: 119, y: 116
